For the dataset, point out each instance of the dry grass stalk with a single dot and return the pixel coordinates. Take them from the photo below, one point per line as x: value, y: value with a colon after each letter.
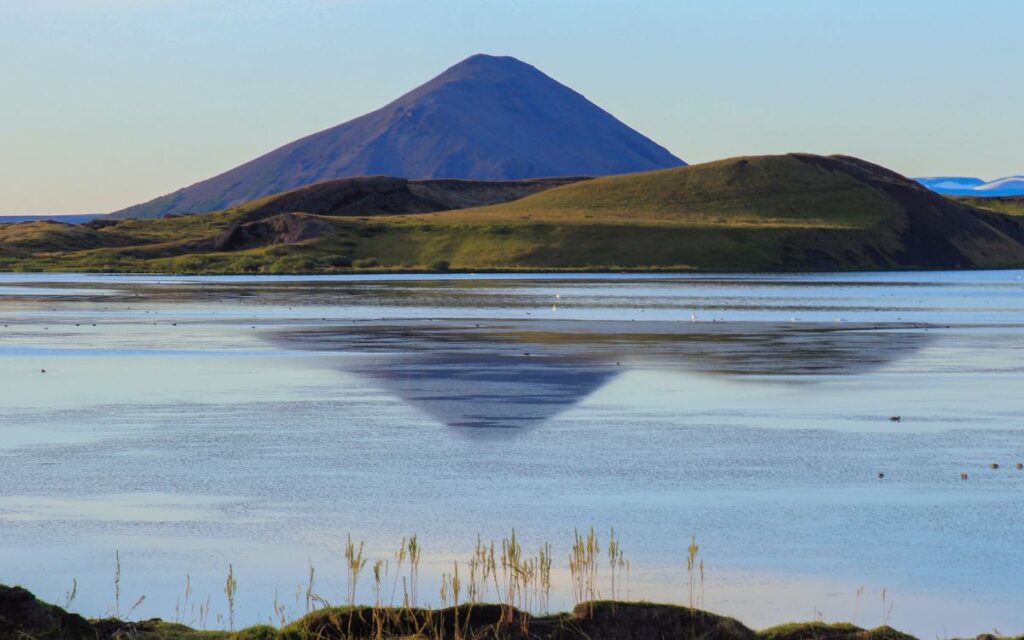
x: 311, y: 588
x: 415, y: 552
x: 230, y: 588
x: 354, y: 563
x: 204, y: 613
x: 399, y: 561
x: 544, y: 577
x: 691, y: 557
x: 69, y: 596
x: 583, y: 567
x: 380, y: 573
x: 117, y: 584
x: 616, y: 563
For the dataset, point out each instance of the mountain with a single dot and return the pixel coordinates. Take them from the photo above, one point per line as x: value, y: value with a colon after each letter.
x: 1010, y: 186
x: 795, y: 212
x: 486, y: 118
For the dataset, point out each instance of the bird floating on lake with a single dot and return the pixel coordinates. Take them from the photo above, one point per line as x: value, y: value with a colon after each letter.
x: 895, y: 419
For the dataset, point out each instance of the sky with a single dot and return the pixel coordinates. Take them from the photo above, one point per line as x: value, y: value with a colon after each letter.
x: 107, y: 103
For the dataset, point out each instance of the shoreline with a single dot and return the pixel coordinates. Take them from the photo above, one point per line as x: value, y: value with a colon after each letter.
x: 679, y: 270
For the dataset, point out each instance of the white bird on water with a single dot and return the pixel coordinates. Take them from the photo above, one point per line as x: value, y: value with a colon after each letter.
x: 693, y: 317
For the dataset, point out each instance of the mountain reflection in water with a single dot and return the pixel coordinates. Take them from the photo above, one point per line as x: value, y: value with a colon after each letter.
x: 520, y: 374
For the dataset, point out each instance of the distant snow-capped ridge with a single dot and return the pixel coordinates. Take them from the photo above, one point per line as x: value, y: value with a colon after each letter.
x: 1012, y: 185
x: 964, y: 186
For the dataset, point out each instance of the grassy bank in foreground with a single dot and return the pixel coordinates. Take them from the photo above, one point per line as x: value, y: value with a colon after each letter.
x: 24, y: 617
x: 502, y: 591
x: 797, y: 212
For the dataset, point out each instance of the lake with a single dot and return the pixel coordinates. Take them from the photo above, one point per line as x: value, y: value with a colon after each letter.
x: 186, y: 423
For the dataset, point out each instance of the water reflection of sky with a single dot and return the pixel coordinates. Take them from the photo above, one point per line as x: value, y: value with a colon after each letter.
x: 202, y: 422
x: 983, y: 297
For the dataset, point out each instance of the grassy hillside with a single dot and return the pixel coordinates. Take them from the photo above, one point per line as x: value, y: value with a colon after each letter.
x: 770, y: 213
x: 769, y: 191
x: 1012, y: 205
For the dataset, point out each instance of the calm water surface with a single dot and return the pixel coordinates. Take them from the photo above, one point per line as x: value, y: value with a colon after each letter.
x: 189, y: 423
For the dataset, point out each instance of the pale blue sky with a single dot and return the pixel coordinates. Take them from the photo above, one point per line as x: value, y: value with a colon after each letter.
x: 105, y: 103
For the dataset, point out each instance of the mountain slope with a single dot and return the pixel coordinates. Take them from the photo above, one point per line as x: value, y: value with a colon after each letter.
x: 486, y: 118
x: 796, y: 212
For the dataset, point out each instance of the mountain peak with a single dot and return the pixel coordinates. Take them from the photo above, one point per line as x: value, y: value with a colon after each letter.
x: 486, y: 59
x: 485, y: 118
x: 484, y: 69
x: 487, y: 63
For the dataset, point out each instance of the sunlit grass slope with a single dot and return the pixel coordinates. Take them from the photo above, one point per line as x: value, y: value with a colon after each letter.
x: 758, y: 191
x: 1012, y: 205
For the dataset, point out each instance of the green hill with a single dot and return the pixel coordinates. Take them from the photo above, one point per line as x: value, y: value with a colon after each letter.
x: 794, y: 212
x: 774, y: 191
